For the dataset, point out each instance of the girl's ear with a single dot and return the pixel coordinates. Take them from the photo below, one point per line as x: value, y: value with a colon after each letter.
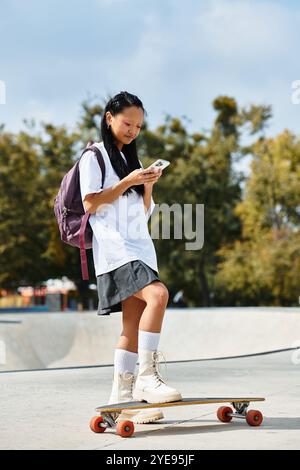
x: 108, y: 117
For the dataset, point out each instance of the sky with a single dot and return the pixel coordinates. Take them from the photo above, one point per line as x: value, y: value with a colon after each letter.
x: 177, y: 56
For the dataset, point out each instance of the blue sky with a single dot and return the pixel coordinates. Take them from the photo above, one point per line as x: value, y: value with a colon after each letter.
x: 177, y: 56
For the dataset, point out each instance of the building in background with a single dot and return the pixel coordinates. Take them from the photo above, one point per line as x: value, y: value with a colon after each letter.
x: 54, y: 296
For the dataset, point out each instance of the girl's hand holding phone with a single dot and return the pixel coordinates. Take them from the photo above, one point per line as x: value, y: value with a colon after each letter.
x: 140, y: 176
x: 153, y: 176
x: 149, y: 176
x: 157, y: 167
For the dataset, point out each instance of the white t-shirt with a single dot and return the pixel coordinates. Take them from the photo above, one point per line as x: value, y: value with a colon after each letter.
x: 120, y: 230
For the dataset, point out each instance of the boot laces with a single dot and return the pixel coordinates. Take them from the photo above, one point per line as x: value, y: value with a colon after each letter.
x: 157, y: 355
x: 131, y: 381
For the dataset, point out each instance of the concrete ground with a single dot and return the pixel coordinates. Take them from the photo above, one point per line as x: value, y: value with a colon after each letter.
x: 51, y: 409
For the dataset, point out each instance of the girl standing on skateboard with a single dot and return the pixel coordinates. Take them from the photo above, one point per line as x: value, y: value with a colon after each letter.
x: 124, y: 254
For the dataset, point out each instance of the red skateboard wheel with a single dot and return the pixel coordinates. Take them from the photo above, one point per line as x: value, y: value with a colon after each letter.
x: 95, y: 424
x: 223, y: 414
x: 254, y: 418
x: 125, y: 428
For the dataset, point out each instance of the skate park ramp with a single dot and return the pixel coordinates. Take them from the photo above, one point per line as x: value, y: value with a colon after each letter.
x: 68, y: 339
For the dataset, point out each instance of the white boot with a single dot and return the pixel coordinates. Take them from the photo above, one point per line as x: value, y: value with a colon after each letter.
x: 122, y: 392
x: 149, y: 385
x: 122, y: 388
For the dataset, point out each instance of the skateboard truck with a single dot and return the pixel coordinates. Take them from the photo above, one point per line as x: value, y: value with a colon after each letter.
x: 252, y: 417
x: 110, y: 419
x: 100, y: 423
x: 241, y: 410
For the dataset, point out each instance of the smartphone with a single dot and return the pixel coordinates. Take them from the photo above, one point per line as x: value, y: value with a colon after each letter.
x: 162, y: 164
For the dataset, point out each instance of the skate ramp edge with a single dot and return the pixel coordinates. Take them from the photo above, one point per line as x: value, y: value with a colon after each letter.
x: 51, y: 340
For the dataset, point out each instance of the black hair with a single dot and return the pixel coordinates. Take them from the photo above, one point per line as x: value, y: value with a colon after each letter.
x: 115, y: 106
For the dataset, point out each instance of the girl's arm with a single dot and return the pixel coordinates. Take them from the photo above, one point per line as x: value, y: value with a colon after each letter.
x: 147, y: 196
x: 107, y: 196
x: 148, y: 190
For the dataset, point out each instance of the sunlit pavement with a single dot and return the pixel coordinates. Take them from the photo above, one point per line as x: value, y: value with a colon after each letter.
x: 51, y: 409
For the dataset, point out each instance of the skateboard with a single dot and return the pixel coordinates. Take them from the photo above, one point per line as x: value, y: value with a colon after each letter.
x: 110, y: 413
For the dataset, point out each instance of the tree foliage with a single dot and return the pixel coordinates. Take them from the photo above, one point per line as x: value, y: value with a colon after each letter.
x: 251, y: 230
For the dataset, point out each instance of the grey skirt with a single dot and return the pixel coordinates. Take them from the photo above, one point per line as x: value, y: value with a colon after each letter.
x: 121, y: 283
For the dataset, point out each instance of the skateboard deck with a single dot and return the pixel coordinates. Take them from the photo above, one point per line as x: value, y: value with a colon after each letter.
x: 110, y: 413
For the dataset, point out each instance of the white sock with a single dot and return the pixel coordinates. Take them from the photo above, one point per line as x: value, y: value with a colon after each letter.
x: 125, y: 361
x: 148, y: 340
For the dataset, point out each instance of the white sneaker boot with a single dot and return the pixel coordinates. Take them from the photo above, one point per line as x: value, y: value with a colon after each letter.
x: 122, y: 388
x: 122, y: 392
x: 149, y: 385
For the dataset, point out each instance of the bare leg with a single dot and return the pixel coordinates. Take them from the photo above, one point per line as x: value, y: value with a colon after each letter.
x: 149, y: 385
x: 156, y: 296
x: 132, y: 309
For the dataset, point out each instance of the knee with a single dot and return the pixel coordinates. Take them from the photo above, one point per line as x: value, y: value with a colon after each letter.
x: 160, y: 297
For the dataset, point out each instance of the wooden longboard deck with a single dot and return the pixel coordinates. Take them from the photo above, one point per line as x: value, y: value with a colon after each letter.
x: 118, y: 407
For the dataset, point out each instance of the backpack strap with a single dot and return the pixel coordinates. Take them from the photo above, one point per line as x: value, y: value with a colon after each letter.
x: 100, y: 159
x: 85, y: 218
x: 83, y: 258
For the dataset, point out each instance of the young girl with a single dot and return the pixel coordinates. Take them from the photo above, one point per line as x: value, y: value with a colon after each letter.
x: 124, y: 254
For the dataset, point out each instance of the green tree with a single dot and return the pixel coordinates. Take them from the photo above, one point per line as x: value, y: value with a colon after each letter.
x: 33, y: 164
x: 201, y: 172
x: 23, y: 235
x: 263, y: 267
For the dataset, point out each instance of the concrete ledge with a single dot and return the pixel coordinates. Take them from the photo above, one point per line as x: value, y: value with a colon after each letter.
x: 50, y: 340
